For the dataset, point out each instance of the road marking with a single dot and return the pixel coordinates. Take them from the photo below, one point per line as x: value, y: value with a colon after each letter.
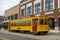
x: 3, y: 38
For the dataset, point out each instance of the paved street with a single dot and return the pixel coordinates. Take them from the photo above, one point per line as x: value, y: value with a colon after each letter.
x: 13, y: 37
x: 5, y: 35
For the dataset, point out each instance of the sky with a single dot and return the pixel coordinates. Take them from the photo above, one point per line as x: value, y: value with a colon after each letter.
x: 6, y: 4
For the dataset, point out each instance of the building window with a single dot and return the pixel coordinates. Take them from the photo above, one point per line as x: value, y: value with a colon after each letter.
x: 37, y: 8
x: 12, y: 17
x: 16, y: 16
x: 22, y: 1
x: 29, y: 10
x: 58, y: 3
x: 48, y: 5
x: 22, y: 12
x: 8, y: 17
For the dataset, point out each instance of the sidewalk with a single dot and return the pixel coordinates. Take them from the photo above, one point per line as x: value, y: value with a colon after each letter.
x: 54, y: 32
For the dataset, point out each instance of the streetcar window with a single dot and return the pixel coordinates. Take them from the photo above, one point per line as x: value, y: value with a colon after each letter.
x: 22, y: 23
x: 25, y: 23
x: 13, y: 24
x: 45, y: 21
x: 41, y: 21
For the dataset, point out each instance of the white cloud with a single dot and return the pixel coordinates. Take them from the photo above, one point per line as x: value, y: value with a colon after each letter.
x: 6, y: 4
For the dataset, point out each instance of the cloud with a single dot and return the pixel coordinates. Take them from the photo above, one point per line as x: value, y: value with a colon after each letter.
x: 6, y: 4
x: 1, y: 12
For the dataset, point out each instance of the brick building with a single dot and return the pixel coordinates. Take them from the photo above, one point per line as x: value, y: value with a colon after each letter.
x: 12, y: 13
x: 42, y: 7
x: 28, y: 8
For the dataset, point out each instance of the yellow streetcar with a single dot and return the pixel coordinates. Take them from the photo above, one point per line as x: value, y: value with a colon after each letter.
x: 34, y: 25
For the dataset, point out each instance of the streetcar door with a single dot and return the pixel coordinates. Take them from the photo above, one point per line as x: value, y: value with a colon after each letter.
x: 35, y: 24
